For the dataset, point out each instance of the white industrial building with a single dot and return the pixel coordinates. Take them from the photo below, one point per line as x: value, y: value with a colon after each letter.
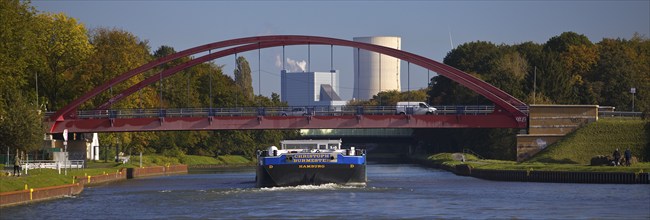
x: 374, y: 72
x: 310, y: 88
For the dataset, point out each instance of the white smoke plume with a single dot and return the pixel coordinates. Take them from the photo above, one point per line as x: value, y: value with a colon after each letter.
x: 291, y: 65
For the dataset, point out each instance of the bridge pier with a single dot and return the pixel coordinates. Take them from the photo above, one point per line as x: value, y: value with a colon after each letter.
x: 548, y: 124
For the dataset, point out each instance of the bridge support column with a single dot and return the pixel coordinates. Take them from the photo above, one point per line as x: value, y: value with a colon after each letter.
x: 550, y: 123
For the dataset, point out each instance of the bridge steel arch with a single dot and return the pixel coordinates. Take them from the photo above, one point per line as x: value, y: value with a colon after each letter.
x: 504, y: 102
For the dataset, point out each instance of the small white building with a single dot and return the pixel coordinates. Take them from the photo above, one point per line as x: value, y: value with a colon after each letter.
x: 310, y: 88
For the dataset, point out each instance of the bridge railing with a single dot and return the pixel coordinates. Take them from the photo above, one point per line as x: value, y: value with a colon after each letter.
x: 464, y: 109
x: 273, y: 111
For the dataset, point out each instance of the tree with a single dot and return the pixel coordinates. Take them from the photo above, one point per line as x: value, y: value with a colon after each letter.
x: 20, y: 123
x: 386, y: 98
x: 553, y: 80
x: 171, y: 89
x: 444, y: 91
x: 571, y: 56
x: 20, y: 119
x: 623, y: 64
x: 510, y: 70
x: 115, y: 52
x: 480, y: 59
x: 63, y: 46
x: 17, y: 46
x: 243, y: 78
x: 275, y: 98
x: 564, y: 41
x: 208, y: 76
x: 570, y: 70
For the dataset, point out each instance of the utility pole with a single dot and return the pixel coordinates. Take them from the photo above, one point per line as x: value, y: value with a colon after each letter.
x: 633, y: 91
x: 36, y: 76
x: 534, y: 84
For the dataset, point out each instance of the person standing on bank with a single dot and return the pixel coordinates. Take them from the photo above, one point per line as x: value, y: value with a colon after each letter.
x: 617, y: 157
x: 17, y: 164
x: 628, y: 157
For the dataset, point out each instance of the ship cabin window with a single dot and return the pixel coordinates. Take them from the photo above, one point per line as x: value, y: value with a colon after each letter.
x: 300, y: 146
x: 309, y: 146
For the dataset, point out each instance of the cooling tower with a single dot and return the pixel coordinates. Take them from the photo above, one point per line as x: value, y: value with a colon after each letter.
x: 373, y: 72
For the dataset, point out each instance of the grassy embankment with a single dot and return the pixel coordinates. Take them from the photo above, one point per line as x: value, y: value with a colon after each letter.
x: 49, y: 177
x: 574, y: 152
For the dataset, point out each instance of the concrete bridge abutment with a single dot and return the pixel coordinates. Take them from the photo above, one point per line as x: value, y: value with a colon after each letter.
x: 548, y: 124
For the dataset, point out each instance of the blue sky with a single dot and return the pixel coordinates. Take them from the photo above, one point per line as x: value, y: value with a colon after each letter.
x: 425, y: 26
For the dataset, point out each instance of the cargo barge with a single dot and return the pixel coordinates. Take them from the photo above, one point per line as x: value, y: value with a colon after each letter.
x: 310, y: 162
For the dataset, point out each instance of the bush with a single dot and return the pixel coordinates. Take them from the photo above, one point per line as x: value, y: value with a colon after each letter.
x: 174, y: 152
x: 600, y: 160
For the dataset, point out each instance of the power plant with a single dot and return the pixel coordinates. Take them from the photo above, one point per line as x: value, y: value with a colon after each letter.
x: 310, y: 88
x: 373, y: 72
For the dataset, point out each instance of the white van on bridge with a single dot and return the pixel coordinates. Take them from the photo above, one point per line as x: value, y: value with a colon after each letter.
x: 414, y: 108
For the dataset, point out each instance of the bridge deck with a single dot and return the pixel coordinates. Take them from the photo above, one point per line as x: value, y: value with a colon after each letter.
x: 284, y: 122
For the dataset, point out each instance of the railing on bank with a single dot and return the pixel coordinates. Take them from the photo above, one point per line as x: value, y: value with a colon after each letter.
x: 468, y: 151
x: 51, y: 164
x: 621, y: 114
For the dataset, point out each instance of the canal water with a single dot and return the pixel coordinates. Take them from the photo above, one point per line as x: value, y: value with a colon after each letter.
x: 393, y: 191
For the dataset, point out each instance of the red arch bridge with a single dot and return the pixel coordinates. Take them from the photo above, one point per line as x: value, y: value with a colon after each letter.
x: 507, y: 111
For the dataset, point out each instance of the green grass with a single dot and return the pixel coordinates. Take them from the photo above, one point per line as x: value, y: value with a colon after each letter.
x: 599, y: 138
x: 235, y: 159
x: 446, y: 159
x: 38, y: 178
x: 192, y: 160
x: 574, y: 152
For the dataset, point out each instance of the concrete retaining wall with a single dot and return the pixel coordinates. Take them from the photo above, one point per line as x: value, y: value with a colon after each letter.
x: 39, y: 194
x: 155, y: 171
x: 531, y: 144
x: 543, y: 176
x: 562, y: 176
x: 105, y: 178
x: 549, y: 123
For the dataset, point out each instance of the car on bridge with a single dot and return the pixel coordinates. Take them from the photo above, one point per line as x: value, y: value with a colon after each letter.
x: 413, y: 108
x: 297, y: 111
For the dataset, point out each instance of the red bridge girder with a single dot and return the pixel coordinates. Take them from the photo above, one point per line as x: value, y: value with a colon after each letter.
x: 504, y: 101
x: 285, y: 122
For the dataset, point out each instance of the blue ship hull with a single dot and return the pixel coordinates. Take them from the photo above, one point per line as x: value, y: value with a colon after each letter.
x: 288, y: 171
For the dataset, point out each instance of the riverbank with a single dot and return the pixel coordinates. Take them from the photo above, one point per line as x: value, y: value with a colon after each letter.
x: 469, y: 165
x: 43, y: 184
x: 28, y: 195
x: 571, y: 160
x: 39, y: 178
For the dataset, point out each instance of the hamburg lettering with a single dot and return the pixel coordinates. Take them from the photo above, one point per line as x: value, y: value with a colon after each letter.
x: 311, y: 166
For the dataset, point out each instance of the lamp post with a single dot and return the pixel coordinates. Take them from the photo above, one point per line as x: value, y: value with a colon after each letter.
x: 633, y: 91
x: 117, y: 149
x: 65, y: 140
x: 65, y: 150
